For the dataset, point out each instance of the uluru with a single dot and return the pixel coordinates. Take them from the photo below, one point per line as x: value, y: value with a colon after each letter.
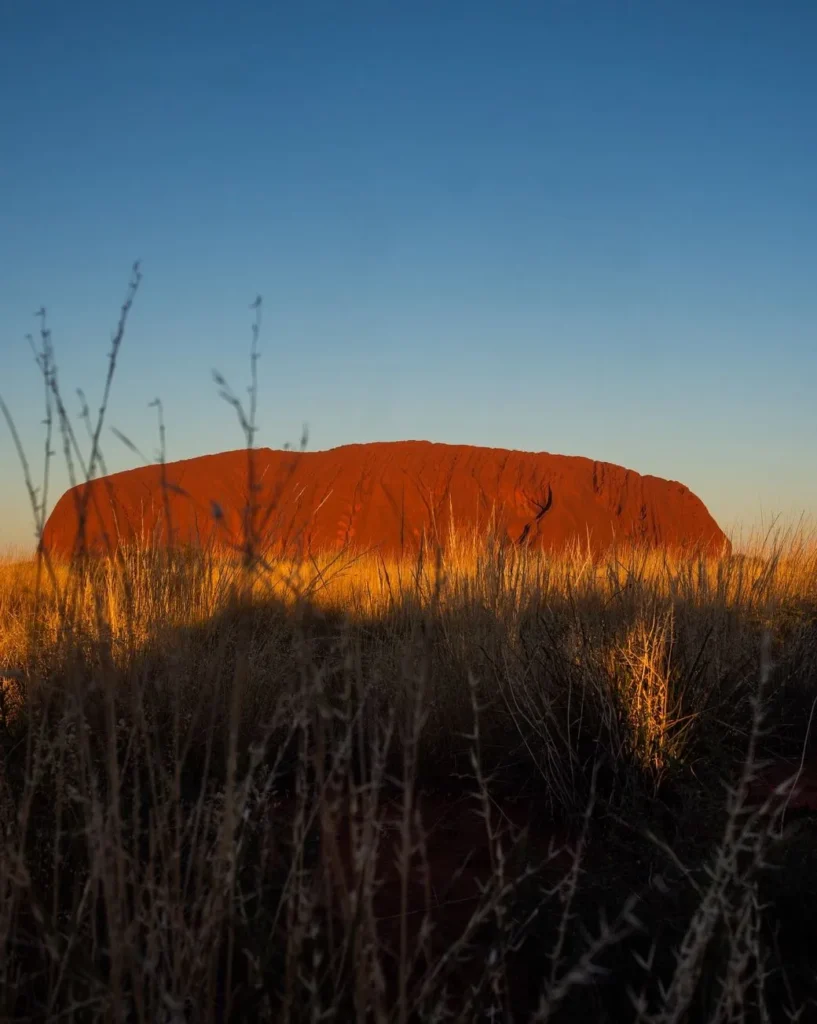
x: 385, y: 496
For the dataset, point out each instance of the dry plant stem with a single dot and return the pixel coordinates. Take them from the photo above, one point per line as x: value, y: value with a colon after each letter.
x: 116, y: 343
x: 69, y: 439
x: 738, y: 838
x: 157, y: 403
x: 792, y: 785
x: 497, y: 968
x: 247, y: 420
x: 413, y: 728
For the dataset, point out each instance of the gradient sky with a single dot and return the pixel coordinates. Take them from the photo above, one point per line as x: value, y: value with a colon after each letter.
x: 579, y: 227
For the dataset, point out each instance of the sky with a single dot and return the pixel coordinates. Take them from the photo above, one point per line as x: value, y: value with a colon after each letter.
x: 578, y: 227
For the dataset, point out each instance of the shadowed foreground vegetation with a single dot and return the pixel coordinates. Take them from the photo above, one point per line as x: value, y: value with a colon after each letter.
x: 483, y: 785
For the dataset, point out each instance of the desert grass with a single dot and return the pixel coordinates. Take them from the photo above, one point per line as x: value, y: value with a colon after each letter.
x: 477, y: 784
x: 772, y: 573
x: 183, y: 747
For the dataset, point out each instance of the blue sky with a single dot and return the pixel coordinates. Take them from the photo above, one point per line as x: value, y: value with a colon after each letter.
x: 580, y: 227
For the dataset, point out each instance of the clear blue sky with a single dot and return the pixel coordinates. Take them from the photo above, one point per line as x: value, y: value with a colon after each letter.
x: 580, y: 227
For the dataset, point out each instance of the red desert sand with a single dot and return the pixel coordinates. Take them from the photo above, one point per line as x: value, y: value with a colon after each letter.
x: 385, y: 496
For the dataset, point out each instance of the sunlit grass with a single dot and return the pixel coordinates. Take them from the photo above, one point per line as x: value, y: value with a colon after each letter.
x: 146, y: 588
x: 636, y: 609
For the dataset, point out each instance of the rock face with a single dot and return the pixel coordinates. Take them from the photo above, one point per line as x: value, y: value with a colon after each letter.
x: 386, y: 496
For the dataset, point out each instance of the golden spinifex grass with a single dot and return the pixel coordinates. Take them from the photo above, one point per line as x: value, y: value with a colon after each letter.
x: 145, y: 588
x: 216, y: 788
x: 638, y: 615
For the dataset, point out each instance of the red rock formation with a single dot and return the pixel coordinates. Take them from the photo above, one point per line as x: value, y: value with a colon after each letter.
x: 386, y: 495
